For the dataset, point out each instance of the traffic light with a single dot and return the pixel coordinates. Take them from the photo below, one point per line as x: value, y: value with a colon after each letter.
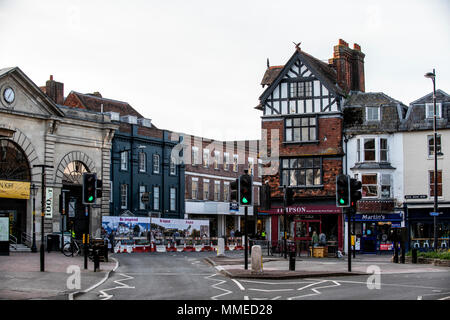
x: 89, y: 188
x: 234, y: 189
x: 99, y: 187
x: 264, y: 195
x: 343, y: 190
x: 245, y: 190
x: 355, y: 192
x: 289, y: 196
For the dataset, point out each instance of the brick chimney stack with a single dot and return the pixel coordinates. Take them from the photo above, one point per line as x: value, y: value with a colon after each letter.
x: 349, y: 65
x: 55, y: 90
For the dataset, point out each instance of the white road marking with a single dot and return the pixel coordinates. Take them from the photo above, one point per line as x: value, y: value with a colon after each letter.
x: 106, y: 296
x: 271, y: 290
x: 218, y: 284
x: 238, y: 284
x: 315, y: 290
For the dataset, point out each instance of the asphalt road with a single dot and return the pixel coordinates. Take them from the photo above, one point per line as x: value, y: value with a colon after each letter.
x: 186, y: 276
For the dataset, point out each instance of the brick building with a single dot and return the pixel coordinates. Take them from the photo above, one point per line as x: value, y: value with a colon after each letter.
x: 210, y: 167
x: 302, y: 125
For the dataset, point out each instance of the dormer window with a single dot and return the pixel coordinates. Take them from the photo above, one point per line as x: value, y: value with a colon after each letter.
x: 373, y: 113
x: 430, y: 110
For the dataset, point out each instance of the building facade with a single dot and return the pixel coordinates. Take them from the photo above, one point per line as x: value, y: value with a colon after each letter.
x: 36, y: 130
x: 419, y: 168
x: 211, y: 166
x: 145, y: 180
x: 374, y: 155
x: 302, y: 125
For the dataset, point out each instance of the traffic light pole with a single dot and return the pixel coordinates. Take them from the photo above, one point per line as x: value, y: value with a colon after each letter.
x: 349, y: 240
x: 246, y: 235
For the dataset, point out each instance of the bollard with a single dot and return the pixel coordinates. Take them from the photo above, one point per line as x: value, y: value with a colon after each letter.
x: 291, y: 261
x: 220, y: 247
x: 96, y: 258
x: 414, y: 255
x: 257, y: 266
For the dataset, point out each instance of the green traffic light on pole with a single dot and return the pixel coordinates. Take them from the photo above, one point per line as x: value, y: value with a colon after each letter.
x: 244, y: 200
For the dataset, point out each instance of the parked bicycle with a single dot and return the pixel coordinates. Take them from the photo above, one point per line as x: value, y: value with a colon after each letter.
x: 73, y: 248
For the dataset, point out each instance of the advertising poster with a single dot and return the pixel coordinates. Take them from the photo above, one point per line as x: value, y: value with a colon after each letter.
x: 4, y: 229
x: 140, y: 227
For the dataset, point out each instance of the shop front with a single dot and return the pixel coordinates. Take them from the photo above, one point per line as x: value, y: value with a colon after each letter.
x: 421, y: 228
x: 303, y: 221
x: 372, y: 232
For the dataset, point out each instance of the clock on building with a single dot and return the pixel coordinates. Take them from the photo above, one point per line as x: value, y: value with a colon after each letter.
x: 9, y: 95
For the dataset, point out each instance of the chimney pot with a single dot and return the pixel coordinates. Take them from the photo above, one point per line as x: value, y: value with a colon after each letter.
x: 51, y: 77
x: 343, y: 43
x: 356, y: 47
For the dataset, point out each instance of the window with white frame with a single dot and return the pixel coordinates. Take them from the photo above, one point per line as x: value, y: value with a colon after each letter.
x: 194, y: 156
x: 142, y: 161
x: 173, y: 199
x: 124, y: 160
x: 142, y: 190
x: 383, y: 150
x: 373, y: 113
x: 205, y: 189
x: 431, y: 145
x: 206, y: 158
x: 156, y: 163
x: 369, y: 185
x: 235, y: 163
x: 123, y: 196
x: 439, y: 183
x: 369, y: 149
x: 260, y: 168
x: 358, y: 150
x: 301, y: 172
x: 173, y: 168
x: 226, y: 160
x: 386, y: 185
x: 216, y: 159
x: 250, y: 165
x: 216, y: 190
x: 156, y: 198
x: 194, y: 187
x: 429, y: 109
x: 226, y: 191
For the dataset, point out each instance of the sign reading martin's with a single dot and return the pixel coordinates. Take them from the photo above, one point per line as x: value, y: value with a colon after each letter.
x: 14, y: 189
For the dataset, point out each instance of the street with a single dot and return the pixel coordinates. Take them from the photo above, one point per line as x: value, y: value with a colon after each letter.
x: 186, y: 276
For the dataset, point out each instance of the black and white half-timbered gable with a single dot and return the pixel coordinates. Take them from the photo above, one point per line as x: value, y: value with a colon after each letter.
x: 305, y: 85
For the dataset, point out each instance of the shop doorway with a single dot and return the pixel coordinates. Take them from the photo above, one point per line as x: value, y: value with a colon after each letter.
x: 304, y: 229
x: 369, y: 238
x: 15, y: 209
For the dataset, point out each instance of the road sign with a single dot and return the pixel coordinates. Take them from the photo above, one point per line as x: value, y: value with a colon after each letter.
x: 434, y: 214
x: 234, y: 206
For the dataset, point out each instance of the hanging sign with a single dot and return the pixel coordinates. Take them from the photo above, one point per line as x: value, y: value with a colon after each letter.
x: 49, y: 203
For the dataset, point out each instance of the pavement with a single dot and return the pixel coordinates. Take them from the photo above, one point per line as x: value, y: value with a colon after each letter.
x: 21, y: 278
x: 276, y: 267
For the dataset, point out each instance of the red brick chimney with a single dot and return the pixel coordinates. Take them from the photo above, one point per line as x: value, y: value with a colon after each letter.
x: 55, y: 90
x: 349, y: 65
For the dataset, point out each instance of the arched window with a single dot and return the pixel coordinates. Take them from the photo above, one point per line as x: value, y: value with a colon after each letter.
x: 73, y: 173
x: 13, y: 162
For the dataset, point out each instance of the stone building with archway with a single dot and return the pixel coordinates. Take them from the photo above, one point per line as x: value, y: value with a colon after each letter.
x: 36, y: 129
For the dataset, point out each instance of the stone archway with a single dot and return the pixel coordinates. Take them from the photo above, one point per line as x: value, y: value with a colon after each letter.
x: 73, y: 157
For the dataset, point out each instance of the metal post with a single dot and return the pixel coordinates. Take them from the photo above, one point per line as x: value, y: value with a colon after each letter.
x: 435, y: 161
x: 42, y: 246
x: 85, y: 241
x: 246, y: 240
x: 285, y: 222
x: 33, y: 246
x: 349, y: 240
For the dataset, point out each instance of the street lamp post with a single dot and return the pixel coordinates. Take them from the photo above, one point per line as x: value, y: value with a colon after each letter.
x: 34, y: 190
x: 432, y: 76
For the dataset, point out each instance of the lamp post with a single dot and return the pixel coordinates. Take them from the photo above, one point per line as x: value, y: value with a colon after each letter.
x: 432, y: 76
x: 34, y: 190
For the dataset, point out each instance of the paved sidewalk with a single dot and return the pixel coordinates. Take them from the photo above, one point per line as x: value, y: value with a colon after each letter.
x: 276, y: 267
x: 21, y: 278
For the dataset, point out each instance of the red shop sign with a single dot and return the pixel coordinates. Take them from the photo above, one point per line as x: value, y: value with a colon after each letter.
x: 308, y: 209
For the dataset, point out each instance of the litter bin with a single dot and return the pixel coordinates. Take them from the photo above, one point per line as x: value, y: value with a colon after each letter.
x: 53, y: 242
x: 414, y: 255
x: 291, y: 261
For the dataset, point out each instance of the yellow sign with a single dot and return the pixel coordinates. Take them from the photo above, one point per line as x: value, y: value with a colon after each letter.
x: 14, y: 189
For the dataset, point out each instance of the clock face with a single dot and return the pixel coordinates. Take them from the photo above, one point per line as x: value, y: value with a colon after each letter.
x: 9, y: 95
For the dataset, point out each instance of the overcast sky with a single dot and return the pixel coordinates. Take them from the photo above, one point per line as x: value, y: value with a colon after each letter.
x: 195, y: 66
